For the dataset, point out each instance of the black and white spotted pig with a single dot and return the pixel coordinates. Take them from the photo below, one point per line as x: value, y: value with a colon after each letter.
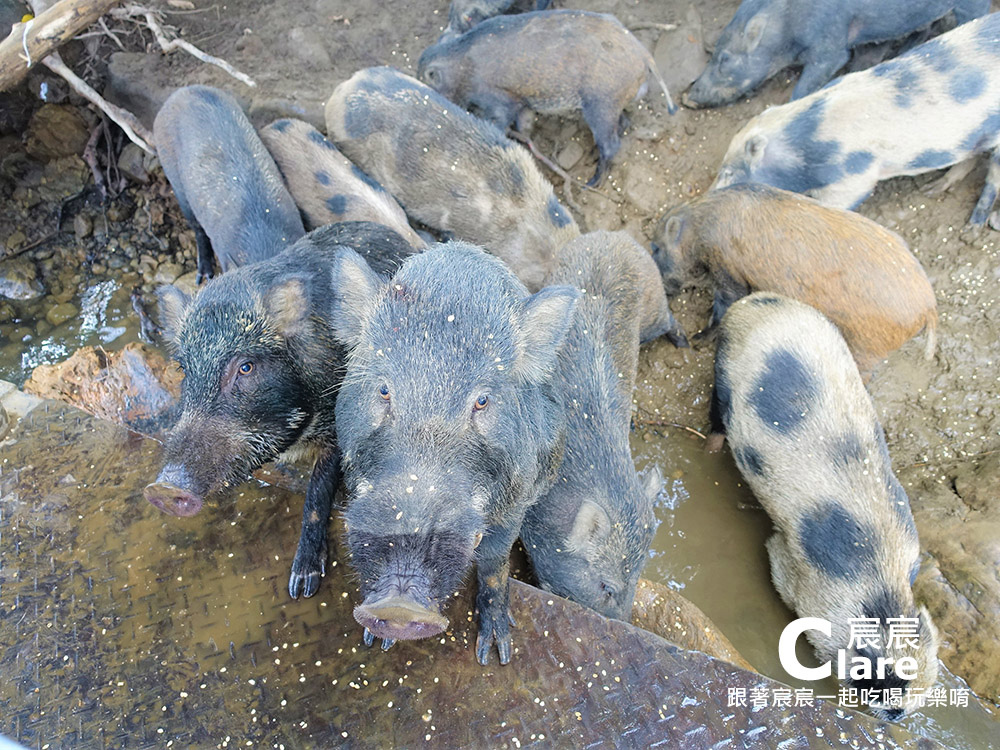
x: 557, y: 61
x: 452, y: 171
x: 464, y: 14
x: 767, y: 36
x: 326, y: 186
x: 588, y: 537
x: 933, y: 107
x: 226, y: 183
x: 803, y: 432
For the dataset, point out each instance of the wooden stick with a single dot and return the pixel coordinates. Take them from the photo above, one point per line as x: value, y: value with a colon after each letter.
x: 128, y: 122
x: 168, y: 45
x: 29, y: 43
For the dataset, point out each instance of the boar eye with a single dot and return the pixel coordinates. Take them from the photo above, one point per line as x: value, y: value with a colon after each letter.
x: 481, y: 402
x: 246, y: 368
x: 383, y: 391
x: 432, y: 75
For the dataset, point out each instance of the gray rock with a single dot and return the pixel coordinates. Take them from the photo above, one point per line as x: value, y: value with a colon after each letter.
x: 680, y: 54
x: 571, y: 153
x: 83, y: 225
x: 19, y: 279
x: 132, y: 163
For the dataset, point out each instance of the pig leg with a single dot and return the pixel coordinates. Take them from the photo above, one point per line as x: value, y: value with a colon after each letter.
x: 206, y: 266
x: 496, y: 107
x: 989, y: 195
x: 727, y: 291
x: 493, y: 597
x: 603, y: 124
x: 782, y: 568
x: 310, y: 557
x: 966, y: 10
x: 718, y: 405
x: 819, y: 68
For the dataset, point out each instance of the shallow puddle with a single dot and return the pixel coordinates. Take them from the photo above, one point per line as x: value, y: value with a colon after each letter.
x: 710, y: 547
x: 104, y: 318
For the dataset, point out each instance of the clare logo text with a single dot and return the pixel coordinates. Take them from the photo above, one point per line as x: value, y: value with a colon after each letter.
x: 855, y: 662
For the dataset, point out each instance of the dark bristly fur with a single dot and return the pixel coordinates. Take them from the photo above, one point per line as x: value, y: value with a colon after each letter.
x: 450, y: 429
x: 272, y: 319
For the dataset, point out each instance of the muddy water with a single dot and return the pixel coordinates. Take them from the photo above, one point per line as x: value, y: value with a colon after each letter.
x: 105, y: 318
x: 120, y: 626
x: 710, y: 547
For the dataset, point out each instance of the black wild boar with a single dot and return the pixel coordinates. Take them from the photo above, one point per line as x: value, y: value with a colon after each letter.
x: 261, y: 370
x: 554, y: 61
x: 450, y: 429
x: 757, y: 238
x: 326, y: 186
x: 226, y: 183
x: 588, y: 537
x: 450, y: 170
x: 804, y: 435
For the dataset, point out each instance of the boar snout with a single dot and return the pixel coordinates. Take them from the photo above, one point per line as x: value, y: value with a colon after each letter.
x: 170, y: 492
x: 399, y: 618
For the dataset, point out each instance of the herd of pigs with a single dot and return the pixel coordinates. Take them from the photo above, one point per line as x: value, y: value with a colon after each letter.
x: 478, y: 390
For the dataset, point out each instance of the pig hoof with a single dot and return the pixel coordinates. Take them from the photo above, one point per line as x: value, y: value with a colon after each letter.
x: 369, y: 638
x: 308, y: 567
x: 304, y: 585
x: 678, y: 339
x: 484, y: 645
x: 387, y: 643
x: 713, y: 443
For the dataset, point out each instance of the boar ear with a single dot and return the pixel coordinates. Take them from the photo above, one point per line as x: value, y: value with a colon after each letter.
x: 173, y: 305
x: 672, y: 231
x: 355, y: 292
x: 754, y: 149
x: 591, y: 526
x: 287, y: 304
x: 753, y: 31
x: 652, y: 482
x: 544, y: 323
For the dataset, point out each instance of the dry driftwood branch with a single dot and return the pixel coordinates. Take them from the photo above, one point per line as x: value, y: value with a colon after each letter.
x: 128, y: 122
x: 29, y: 43
x: 168, y: 45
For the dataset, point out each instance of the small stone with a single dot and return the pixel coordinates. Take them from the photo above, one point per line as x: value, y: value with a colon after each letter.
x: 571, y: 153
x: 56, y: 130
x: 60, y: 313
x: 119, y: 211
x: 188, y: 283
x: 15, y: 239
x: 19, y: 279
x: 131, y: 163
x: 42, y: 328
x: 167, y: 273
x: 99, y: 269
x: 83, y: 225
x: 4, y: 422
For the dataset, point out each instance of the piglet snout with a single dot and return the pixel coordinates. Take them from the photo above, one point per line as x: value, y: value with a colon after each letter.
x: 399, y: 618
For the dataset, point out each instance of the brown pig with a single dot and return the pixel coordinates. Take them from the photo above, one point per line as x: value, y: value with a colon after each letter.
x: 756, y: 238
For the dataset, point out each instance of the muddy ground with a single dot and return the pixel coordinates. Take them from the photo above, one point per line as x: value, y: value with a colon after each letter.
x: 939, y: 416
